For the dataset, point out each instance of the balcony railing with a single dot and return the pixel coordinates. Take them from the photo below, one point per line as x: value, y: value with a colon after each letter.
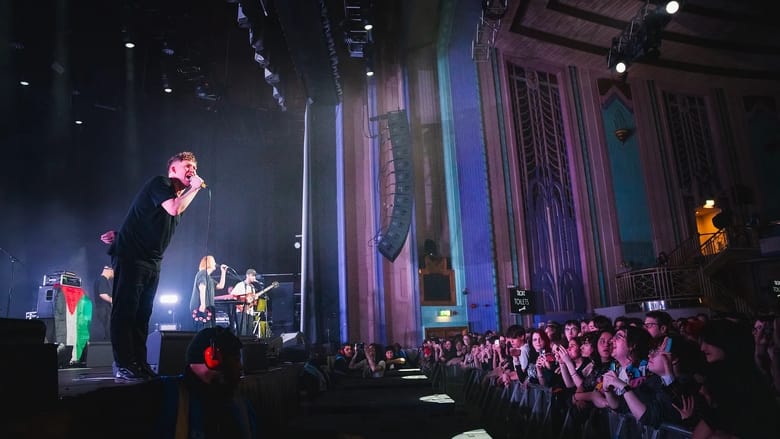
x: 672, y: 284
x: 663, y: 283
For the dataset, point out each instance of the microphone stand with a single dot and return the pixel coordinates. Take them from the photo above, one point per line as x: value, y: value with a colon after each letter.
x: 13, y: 260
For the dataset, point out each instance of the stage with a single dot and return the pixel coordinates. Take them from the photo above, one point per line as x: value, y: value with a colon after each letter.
x: 91, y: 404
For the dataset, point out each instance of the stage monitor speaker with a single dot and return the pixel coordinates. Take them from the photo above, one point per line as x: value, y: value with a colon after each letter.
x: 293, y: 348
x: 22, y: 331
x: 99, y: 354
x: 254, y: 354
x: 28, y: 378
x: 282, y: 306
x: 274, y: 344
x: 166, y: 351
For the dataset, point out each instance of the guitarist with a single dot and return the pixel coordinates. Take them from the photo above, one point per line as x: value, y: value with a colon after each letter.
x: 202, y: 300
x: 244, y: 292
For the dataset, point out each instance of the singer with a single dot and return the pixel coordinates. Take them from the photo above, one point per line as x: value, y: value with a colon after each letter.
x: 202, y: 299
x: 136, y: 254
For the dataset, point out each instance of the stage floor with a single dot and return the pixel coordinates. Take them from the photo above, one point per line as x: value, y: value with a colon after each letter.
x: 79, y: 380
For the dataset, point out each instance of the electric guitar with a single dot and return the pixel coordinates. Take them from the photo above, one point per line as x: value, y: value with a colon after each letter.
x: 251, y: 298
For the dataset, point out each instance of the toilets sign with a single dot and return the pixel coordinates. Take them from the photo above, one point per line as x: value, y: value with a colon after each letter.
x: 520, y: 301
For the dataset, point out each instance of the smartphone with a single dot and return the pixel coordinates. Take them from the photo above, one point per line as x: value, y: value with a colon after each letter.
x: 496, y: 343
x: 668, y: 347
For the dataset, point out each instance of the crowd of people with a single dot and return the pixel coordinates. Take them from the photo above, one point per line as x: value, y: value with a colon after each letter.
x: 716, y: 377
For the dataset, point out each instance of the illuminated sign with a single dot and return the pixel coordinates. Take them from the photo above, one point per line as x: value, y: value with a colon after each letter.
x: 521, y: 301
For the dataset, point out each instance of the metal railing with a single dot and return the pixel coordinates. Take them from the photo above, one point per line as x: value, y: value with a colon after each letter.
x: 675, y: 283
x: 663, y: 283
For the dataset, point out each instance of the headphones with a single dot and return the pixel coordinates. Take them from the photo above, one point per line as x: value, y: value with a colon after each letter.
x: 212, y: 356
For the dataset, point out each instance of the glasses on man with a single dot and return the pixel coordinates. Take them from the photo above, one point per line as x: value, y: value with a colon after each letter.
x: 650, y: 324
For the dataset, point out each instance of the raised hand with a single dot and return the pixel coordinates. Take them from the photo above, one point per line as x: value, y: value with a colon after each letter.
x: 108, y: 237
x: 687, y: 403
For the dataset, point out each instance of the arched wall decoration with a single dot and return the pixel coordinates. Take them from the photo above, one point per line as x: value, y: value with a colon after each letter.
x: 692, y: 147
x: 546, y: 188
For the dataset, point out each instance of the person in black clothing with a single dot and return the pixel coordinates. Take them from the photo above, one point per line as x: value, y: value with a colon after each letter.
x: 203, y: 292
x: 100, y: 326
x: 137, y: 251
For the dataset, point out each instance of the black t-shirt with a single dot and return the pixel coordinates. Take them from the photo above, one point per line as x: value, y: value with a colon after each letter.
x: 202, y: 277
x: 102, y: 286
x: 148, y: 227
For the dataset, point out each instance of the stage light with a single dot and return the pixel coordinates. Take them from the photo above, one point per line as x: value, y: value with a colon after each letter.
x: 127, y: 38
x: 367, y: 25
x: 369, y: 72
x: 641, y: 39
x: 169, y: 299
x: 166, y: 86
x: 79, y: 122
x: 166, y: 50
x: 24, y: 83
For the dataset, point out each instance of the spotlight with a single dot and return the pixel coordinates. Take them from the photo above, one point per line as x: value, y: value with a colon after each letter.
x: 24, y: 83
x: 127, y: 38
x: 367, y: 25
x: 170, y: 299
x: 166, y: 50
x: 620, y: 67
x: 369, y: 72
x: 79, y: 122
x: 165, y: 84
x: 672, y: 7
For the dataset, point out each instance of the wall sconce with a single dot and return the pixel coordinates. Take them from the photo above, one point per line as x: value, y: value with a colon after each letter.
x: 622, y: 131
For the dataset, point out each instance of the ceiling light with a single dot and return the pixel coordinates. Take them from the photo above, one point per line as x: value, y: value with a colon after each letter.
x: 620, y: 67
x: 165, y: 84
x: 79, y: 122
x: 24, y: 83
x: 129, y: 44
x: 672, y: 7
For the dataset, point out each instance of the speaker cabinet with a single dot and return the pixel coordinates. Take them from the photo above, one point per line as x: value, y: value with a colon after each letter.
x: 28, y: 372
x: 46, y: 295
x: 100, y: 354
x: 166, y: 351
x: 274, y: 345
x: 254, y: 354
x: 282, y: 307
x: 28, y: 378
x: 393, y: 237
x: 294, y: 348
x: 22, y: 331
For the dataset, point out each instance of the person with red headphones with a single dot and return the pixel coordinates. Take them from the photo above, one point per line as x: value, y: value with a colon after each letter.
x: 206, y: 402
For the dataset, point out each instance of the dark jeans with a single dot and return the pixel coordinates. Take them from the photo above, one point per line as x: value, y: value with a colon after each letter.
x: 135, y: 285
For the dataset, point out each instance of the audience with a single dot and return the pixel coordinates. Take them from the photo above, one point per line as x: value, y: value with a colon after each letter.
x: 707, y: 375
